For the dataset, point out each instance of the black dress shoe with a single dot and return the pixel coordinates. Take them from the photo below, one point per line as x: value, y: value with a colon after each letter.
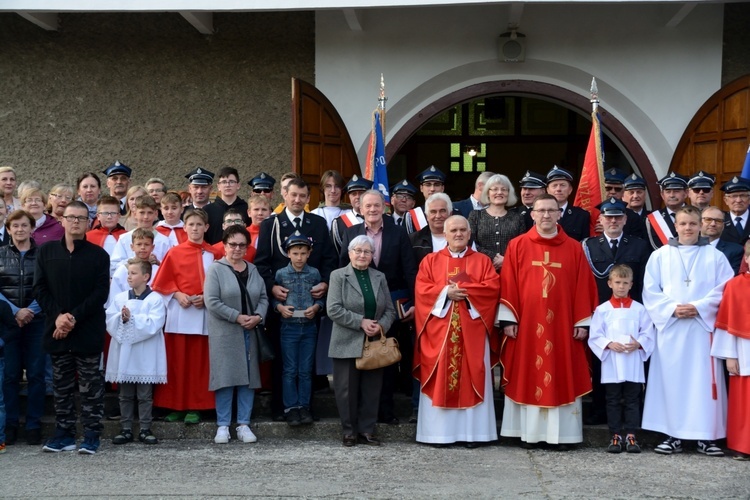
x: 440, y: 445
x: 368, y: 439
x: 528, y: 446
x: 350, y: 441
x: 472, y: 444
x: 414, y: 416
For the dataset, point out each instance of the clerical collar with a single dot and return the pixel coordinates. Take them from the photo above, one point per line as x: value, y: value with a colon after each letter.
x: 459, y: 254
x: 291, y: 216
x: 545, y: 236
x: 702, y: 241
x: 133, y: 296
x: 619, y: 303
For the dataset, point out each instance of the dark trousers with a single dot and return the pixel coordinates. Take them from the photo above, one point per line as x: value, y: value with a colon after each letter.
x: 623, y: 403
x: 357, y: 393
x: 598, y: 398
x: 90, y: 386
x: 144, y: 393
x: 392, y: 375
x: 24, y: 350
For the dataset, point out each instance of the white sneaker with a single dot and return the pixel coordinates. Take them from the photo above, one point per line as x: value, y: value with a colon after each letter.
x: 245, y: 435
x: 222, y: 435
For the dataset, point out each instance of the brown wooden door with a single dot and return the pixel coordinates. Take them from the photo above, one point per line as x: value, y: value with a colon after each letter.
x: 320, y: 140
x: 717, y: 137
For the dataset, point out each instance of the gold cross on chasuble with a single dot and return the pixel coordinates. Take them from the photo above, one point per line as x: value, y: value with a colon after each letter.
x: 548, y: 280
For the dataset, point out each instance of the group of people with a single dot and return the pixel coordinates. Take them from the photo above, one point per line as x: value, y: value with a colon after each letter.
x: 190, y: 299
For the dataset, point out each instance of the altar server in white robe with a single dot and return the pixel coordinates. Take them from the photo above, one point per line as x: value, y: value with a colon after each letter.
x: 682, y: 288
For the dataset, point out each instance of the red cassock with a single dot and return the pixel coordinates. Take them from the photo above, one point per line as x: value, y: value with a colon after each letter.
x: 734, y: 317
x: 249, y: 253
x: 179, y: 232
x: 548, y: 286
x: 98, y: 235
x: 187, y: 355
x: 449, y: 355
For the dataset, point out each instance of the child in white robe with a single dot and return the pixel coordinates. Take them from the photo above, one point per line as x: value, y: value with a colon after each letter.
x: 137, y: 355
x: 622, y: 336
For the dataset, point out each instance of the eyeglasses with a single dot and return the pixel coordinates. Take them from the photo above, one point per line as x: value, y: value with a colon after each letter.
x: 73, y: 218
x: 498, y: 189
x: 262, y: 190
x: 736, y: 196
x: 63, y: 196
x: 701, y: 190
x: 108, y: 214
x: 359, y: 251
x: 227, y: 182
x: 237, y: 245
x: 432, y: 184
x: 402, y: 197
x: 232, y: 222
x: 709, y: 220
x: 34, y: 200
x: 616, y: 189
x: 547, y: 211
x: 157, y: 190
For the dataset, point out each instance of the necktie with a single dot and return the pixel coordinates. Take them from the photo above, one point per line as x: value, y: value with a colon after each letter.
x: 738, y: 225
x: 672, y: 214
x: 297, y: 224
x: 614, y: 246
x: 400, y: 221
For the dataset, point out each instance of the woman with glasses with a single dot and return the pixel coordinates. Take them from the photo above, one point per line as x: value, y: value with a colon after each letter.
x: 494, y: 226
x: 46, y: 228
x: 59, y: 197
x: 360, y: 306
x: 332, y: 187
x: 236, y: 301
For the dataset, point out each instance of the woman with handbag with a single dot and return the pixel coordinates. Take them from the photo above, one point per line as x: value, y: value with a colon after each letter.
x: 360, y: 306
x: 235, y: 297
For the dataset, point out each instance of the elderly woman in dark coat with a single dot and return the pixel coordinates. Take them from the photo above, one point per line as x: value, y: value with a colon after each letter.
x: 235, y: 297
x: 360, y: 305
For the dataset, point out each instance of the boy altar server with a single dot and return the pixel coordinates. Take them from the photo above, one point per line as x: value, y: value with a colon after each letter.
x: 732, y: 342
x: 682, y: 288
x: 137, y: 356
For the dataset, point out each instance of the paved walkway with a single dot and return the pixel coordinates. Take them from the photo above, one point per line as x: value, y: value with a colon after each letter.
x: 276, y: 467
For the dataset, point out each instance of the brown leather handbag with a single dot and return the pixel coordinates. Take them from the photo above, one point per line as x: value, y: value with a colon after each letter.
x: 378, y: 352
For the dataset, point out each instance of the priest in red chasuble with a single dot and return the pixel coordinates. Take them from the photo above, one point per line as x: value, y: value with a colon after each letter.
x: 547, y: 300
x: 456, y: 296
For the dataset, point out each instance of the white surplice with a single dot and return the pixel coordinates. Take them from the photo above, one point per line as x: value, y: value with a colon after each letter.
x: 137, y: 353
x: 119, y: 282
x: 123, y: 252
x: 187, y: 320
x: 618, y: 324
x: 449, y: 425
x: 683, y: 377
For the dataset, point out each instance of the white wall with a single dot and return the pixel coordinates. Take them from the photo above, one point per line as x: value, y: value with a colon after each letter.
x: 653, y: 78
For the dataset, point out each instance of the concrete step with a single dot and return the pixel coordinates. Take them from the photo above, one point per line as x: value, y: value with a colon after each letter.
x: 325, y: 429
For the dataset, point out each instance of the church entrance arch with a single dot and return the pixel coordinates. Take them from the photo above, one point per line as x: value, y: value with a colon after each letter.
x: 529, y: 117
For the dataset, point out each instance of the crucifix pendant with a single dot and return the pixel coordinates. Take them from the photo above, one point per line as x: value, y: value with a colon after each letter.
x: 687, y: 281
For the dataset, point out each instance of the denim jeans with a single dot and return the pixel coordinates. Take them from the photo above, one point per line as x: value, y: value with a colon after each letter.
x: 297, y: 354
x: 25, y: 351
x: 2, y: 401
x: 245, y: 399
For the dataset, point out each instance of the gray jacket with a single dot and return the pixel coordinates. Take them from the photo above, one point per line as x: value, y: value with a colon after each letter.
x: 346, y: 308
x: 228, y: 359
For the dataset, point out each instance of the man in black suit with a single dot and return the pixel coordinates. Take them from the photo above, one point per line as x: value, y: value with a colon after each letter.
x: 464, y: 207
x: 712, y: 225
x: 660, y: 223
x: 603, y: 253
x: 575, y: 221
x: 532, y: 186
x: 271, y: 257
x: 634, y: 195
x: 737, y: 198
x: 393, y: 257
